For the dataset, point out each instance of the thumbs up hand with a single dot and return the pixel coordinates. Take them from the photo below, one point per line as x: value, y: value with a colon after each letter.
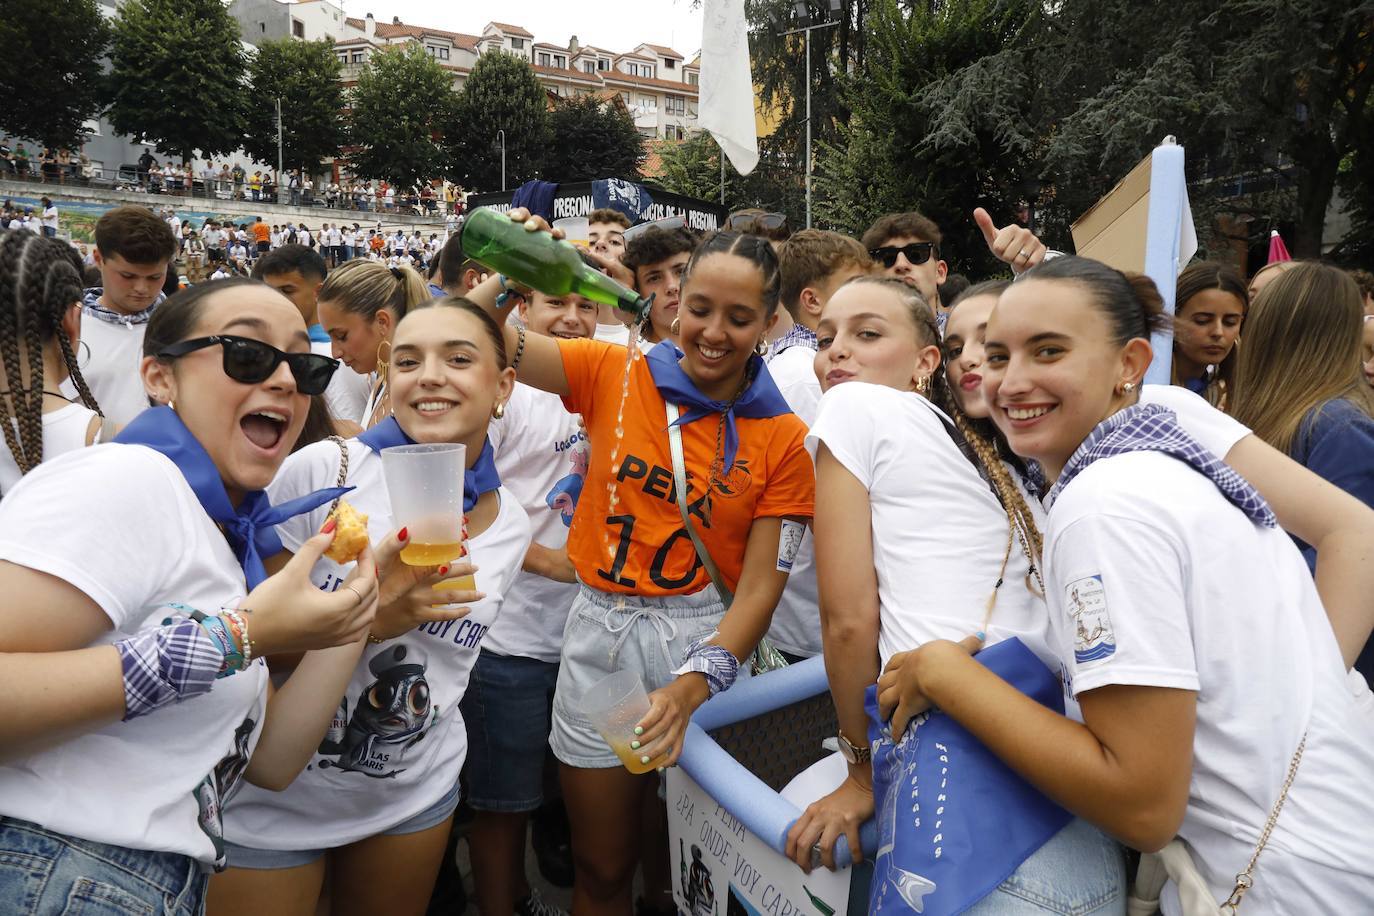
x: 1014, y: 245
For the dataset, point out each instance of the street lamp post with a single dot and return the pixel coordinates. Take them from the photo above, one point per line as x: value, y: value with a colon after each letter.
x: 501, y: 137
x: 279, y: 156
x: 803, y: 11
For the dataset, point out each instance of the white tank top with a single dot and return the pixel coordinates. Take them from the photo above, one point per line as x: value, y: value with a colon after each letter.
x: 64, y: 431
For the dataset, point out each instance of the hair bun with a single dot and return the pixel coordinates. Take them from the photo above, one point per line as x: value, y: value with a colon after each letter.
x: 1151, y: 303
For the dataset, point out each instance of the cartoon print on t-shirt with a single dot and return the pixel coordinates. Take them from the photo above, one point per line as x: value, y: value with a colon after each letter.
x: 563, y: 497
x: 391, y: 716
x: 1094, y: 638
x: 214, y: 791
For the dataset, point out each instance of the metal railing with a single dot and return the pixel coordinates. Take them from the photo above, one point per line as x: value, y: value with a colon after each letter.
x: 130, y: 177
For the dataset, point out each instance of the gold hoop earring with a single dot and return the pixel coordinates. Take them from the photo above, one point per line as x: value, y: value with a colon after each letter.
x: 498, y: 411
x: 676, y: 327
x: 172, y: 404
x: 761, y: 347
x: 923, y: 386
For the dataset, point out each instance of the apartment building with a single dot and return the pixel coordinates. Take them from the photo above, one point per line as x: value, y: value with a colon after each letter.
x: 657, y: 84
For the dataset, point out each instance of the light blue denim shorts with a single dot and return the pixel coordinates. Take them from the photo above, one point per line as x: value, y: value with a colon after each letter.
x: 607, y: 633
x: 43, y: 872
x: 252, y: 857
x: 1080, y: 871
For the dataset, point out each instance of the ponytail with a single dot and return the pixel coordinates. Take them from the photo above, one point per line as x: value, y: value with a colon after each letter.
x: 366, y: 287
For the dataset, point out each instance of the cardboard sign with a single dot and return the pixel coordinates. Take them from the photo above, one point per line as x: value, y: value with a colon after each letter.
x: 1113, y: 231
x: 721, y: 869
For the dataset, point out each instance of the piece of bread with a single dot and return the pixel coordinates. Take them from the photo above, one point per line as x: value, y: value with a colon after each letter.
x: 350, y: 535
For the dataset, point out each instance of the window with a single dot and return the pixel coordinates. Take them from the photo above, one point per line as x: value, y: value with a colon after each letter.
x: 560, y: 62
x: 674, y: 132
x: 544, y: 60
x: 648, y: 103
x: 262, y: 27
x: 649, y: 132
x: 603, y: 64
x: 669, y: 63
x: 437, y: 52
x: 676, y: 105
x: 297, y: 29
x: 517, y: 43
x: 343, y: 57
x: 625, y: 97
x: 589, y: 66
x: 693, y: 78
x: 359, y: 56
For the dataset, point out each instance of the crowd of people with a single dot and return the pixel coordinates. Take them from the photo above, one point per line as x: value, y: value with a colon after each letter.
x: 831, y: 445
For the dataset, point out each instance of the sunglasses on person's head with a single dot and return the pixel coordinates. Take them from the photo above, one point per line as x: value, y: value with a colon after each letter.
x: 753, y: 219
x: 252, y: 361
x: 916, y: 253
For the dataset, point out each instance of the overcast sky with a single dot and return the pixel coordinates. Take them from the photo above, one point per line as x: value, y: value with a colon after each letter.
x: 616, y: 25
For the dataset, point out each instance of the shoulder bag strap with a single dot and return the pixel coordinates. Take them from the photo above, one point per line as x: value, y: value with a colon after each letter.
x: 680, y: 484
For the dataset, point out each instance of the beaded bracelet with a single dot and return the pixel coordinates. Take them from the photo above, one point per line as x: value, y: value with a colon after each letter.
x: 519, y: 347
x: 240, y: 626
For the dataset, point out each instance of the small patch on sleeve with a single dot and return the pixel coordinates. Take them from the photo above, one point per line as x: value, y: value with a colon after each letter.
x: 1094, y: 639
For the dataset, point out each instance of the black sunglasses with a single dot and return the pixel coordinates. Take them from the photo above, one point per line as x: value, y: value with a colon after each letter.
x: 252, y: 361
x: 916, y: 253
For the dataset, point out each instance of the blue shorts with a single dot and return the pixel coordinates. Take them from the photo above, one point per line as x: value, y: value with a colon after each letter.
x: 607, y: 633
x: 42, y: 873
x: 507, y: 709
x: 251, y: 857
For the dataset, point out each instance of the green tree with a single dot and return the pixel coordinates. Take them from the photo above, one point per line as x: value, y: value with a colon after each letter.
x: 176, y: 77
x: 501, y: 93
x: 305, y: 76
x: 52, y: 78
x: 398, y: 113
x: 594, y: 139
x: 692, y: 168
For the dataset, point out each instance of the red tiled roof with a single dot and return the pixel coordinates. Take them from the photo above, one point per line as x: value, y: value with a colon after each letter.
x: 567, y: 74
x: 402, y: 30
x: 648, y: 81
x: 548, y: 47
x: 634, y: 55
x: 660, y: 49
x: 511, y: 29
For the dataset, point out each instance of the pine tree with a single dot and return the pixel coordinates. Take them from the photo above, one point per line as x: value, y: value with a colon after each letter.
x: 177, y: 77
x: 595, y: 139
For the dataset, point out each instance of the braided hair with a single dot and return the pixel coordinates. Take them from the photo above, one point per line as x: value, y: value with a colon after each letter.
x: 40, y: 278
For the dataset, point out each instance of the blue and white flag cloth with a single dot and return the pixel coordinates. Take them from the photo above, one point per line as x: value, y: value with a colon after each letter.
x: 622, y: 196
x: 954, y: 821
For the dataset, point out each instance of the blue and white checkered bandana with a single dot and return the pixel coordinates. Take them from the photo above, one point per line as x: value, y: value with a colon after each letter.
x: 1151, y: 427
x: 799, y: 335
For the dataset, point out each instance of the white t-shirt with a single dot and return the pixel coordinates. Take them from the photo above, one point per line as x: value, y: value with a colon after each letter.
x: 939, y: 533
x: 120, y: 523
x: 50, y: 217
x: 398, y: 742
x: 1212, y: 429
x: 113, y: 372
x: 303, y: 237
x: 541, y: 453
x: 613, y: 333
x: 1154, y: 579
x: 796, y: 626
x: 64, y: 430
x: 348, y: 390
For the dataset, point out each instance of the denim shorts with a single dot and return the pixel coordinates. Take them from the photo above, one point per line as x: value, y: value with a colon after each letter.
x: 507, y: 708
x: 607, y: 633
x: 1080, y: 871
x: 267, y: 859
x: 42, y: 873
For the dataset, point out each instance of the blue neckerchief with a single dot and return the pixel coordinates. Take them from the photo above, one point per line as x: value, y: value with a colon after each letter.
x: 1155, y: 428
x: 251, y: 528
x: 478, y: 479
x: 438, y: 292
x: 318, y: 334
x: 761, y: 398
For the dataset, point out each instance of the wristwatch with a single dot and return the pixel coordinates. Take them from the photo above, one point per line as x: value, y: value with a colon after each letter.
x: 854, y: 754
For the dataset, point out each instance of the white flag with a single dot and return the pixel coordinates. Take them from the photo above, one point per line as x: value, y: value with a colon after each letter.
x: 727, y: 85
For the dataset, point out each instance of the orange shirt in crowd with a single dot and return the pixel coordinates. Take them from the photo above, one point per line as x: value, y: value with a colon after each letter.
x: 639, y: 545
x: 262, y: 232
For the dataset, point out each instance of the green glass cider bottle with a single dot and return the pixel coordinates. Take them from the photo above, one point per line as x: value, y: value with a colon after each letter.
x: 539, y: 261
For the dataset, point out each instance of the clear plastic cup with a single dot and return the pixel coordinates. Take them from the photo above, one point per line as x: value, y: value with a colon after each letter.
x: 614, y: 705
x: 576, y: 229
x: 425, y: 483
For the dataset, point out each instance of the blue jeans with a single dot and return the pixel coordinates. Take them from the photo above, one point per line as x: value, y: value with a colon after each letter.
x: 43, y: 873
x: 1080, y: 872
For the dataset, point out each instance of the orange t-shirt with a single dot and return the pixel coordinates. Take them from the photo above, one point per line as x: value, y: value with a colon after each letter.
x: 262, y: 232
x: 639, y: 546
